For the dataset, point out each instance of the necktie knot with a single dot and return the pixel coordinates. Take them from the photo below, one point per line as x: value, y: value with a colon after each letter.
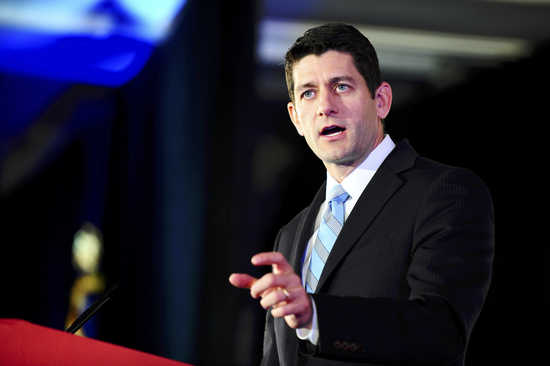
x: 336, y: 203
x: 341, y: 198
x: 338, y: 194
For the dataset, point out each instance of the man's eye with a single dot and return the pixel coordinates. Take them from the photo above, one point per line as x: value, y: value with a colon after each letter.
x: 308, y: 94
x: 342, y: 87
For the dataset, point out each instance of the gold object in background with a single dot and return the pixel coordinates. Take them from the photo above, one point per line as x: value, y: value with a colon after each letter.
x: 87, y: 252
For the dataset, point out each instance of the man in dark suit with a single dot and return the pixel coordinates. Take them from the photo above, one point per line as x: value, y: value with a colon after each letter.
x: 391, y: 262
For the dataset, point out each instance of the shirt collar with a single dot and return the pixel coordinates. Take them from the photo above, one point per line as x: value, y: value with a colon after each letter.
x: 358, y: 179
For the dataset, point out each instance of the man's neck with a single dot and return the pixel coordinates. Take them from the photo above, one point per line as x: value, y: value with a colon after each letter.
x: 340, y: 171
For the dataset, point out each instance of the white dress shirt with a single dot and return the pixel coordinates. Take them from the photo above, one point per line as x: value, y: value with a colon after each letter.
x: 354, y: 184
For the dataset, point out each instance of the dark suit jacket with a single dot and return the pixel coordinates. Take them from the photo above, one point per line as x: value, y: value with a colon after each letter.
x: 407, y: 276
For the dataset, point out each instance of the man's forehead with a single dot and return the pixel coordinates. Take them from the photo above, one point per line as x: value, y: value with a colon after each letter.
x: 328, y: 65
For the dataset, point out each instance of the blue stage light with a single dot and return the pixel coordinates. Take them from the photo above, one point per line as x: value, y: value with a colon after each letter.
x: 97, y: 42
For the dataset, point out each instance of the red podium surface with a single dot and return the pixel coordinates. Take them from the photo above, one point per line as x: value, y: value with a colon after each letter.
x: 24, y: 344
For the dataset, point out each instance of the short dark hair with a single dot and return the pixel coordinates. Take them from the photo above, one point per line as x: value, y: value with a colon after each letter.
x: 336, y: 37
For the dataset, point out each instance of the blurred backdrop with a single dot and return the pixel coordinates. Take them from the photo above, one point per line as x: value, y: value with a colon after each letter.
x: 157, y: 135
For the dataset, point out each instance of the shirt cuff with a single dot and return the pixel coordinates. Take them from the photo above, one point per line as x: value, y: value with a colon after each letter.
x: 312, y: 334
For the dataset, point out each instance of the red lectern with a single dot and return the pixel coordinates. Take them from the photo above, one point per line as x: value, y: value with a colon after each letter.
x: 26, y: 344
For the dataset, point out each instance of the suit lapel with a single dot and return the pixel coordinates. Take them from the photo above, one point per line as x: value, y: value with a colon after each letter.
x: 381, y: 188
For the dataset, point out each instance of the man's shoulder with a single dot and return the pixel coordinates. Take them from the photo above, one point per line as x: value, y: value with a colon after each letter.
x: 426, y: 170
x: 296, y: 221
x: 430, y: 180
x: 287, y: 233
x: 429, y: 170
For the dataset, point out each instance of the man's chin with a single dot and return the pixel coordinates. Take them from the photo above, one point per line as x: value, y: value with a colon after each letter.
x: 339, y: 160
x: 343, y: 158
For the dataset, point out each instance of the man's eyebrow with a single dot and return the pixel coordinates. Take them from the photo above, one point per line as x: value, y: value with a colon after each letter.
x: 306, y: 86
x: 338, y: 79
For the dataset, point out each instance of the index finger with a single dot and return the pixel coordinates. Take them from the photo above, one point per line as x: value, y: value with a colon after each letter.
x: 241, y: 280
x: 276, y: 259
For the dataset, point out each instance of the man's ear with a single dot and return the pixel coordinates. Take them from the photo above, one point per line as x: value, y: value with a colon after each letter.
x: 294, y: 117
x: 383, y: 98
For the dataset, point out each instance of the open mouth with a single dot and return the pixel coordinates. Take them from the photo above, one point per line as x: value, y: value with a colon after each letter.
x: 332, y: 130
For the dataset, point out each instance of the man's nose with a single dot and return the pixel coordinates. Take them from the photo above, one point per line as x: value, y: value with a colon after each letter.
x: 327, y: 104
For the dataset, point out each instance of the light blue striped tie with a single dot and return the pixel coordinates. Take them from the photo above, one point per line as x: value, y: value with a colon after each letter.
x: 331, y: 224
